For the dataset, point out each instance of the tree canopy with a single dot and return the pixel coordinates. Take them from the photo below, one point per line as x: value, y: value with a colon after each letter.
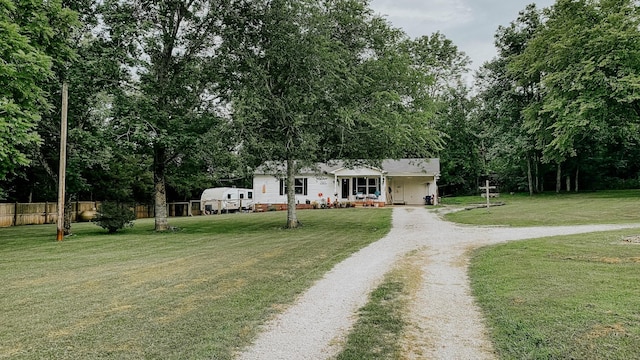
x: 33, y: 39
x: 321, y: 80
x: 571, y: 71
x: 169, y: 107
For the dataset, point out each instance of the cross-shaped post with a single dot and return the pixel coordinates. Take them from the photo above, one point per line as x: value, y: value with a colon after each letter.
x: 487, y: 188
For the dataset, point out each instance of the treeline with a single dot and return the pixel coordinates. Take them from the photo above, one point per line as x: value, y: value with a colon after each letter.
x: 558, y: 109
x: 170, y: 97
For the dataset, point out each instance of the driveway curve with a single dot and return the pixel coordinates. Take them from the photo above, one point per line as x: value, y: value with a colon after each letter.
x: 444, y: 314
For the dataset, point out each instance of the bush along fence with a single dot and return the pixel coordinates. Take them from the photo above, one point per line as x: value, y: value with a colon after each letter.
x: 14, y: 214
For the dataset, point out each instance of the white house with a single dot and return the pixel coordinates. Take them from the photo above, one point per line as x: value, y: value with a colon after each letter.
x: 400, y: 182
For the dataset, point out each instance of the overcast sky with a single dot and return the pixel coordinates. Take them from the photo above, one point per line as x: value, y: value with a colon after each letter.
x: 470, y: 24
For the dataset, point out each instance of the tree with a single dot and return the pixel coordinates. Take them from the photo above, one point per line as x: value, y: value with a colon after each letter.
x: 318, y: 80
x: 587, y: 55
x: 439, y: 59
x: 87, y: 65
x: 442, y: 67
x: 113, y: 216
x: 33, y: 39
x: 170, y: 103
x: 461, y: 158
x: 507, y: 91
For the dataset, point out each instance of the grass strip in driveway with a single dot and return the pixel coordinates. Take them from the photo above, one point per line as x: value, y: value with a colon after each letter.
x: 570, y: 297
x: 200, y: 292
x: 383, y: 322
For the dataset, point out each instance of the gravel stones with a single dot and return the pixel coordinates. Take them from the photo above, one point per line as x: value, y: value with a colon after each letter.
x: 446, y: 322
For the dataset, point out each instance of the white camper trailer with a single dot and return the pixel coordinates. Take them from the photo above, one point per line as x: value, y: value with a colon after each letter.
x: 226, y: 199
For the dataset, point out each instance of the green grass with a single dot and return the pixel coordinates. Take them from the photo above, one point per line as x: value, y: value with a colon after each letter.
x: 200, y: 292
x: 378, y: 333
x: 572, y: 297
x: 611, y: 207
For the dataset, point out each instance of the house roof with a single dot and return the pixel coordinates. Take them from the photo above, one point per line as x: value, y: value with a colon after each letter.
x: 405, y: 167
x: 400, y: 167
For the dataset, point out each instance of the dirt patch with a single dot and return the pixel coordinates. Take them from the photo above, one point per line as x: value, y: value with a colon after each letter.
x: 413, y: 337
x: 518, y: 300
x: 633, y: 239
x: 600, y: 331
x: 608, y: 260
x: 480, y: 206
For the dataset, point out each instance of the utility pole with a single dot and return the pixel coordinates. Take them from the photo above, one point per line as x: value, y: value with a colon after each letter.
x: 63, y: 161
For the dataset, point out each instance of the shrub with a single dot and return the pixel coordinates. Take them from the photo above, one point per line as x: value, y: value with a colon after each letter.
x: 114, y: 216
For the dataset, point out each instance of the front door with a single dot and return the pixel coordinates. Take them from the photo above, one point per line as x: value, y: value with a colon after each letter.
x: 345, y: 188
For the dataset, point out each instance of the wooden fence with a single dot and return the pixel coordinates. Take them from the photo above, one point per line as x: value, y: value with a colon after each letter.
x: 39, y: 213
x: 14, y: 214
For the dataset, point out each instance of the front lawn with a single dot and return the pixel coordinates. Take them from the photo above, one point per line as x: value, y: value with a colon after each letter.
x: 571, y: 297
x: 197, y: 293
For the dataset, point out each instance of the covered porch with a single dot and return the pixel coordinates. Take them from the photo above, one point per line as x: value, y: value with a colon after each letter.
x: 362, y: 186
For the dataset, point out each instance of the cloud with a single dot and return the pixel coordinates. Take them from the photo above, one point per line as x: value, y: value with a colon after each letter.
x: 429, y: 14
x: 470, y: 24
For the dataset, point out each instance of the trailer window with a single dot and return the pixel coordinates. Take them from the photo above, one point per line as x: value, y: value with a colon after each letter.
x: 241, y: 196
x: 228, y: 196
x: 250, y: 195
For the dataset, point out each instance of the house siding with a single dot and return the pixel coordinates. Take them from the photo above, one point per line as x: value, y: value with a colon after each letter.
x: 415, y: 182
x: 267, y: 189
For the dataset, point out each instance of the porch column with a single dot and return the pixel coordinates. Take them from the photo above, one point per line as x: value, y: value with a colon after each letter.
x: 435, y: 193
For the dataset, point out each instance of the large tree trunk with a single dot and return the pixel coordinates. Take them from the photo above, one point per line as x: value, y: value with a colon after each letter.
x: 568, y: 181
x: 160, y: 193
x: 292, y: 219
x: 559, y: 179
x: 575, y: 188
x: 529, y: 176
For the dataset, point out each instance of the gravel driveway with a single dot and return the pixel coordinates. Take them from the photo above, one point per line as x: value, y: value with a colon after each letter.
x: 446, y: 323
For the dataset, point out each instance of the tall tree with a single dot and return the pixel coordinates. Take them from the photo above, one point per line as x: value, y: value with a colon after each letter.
x: 171, y: 101
x: 88, y: 66
x: 442, y: 67
x: 33, y: 39
x: 506, y: 91
x: 587, y: 53
x: 461, y: 159
x: 320, y: 80
x: 439, y: 59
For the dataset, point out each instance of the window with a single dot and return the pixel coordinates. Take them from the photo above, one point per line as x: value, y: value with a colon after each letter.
x: 300, y: 186
x: 366, y: 186
x: 361, y: 185
x: 241, y: 196
x: 249, y: 194
x: 228, y: 196
x: 373, y: 186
